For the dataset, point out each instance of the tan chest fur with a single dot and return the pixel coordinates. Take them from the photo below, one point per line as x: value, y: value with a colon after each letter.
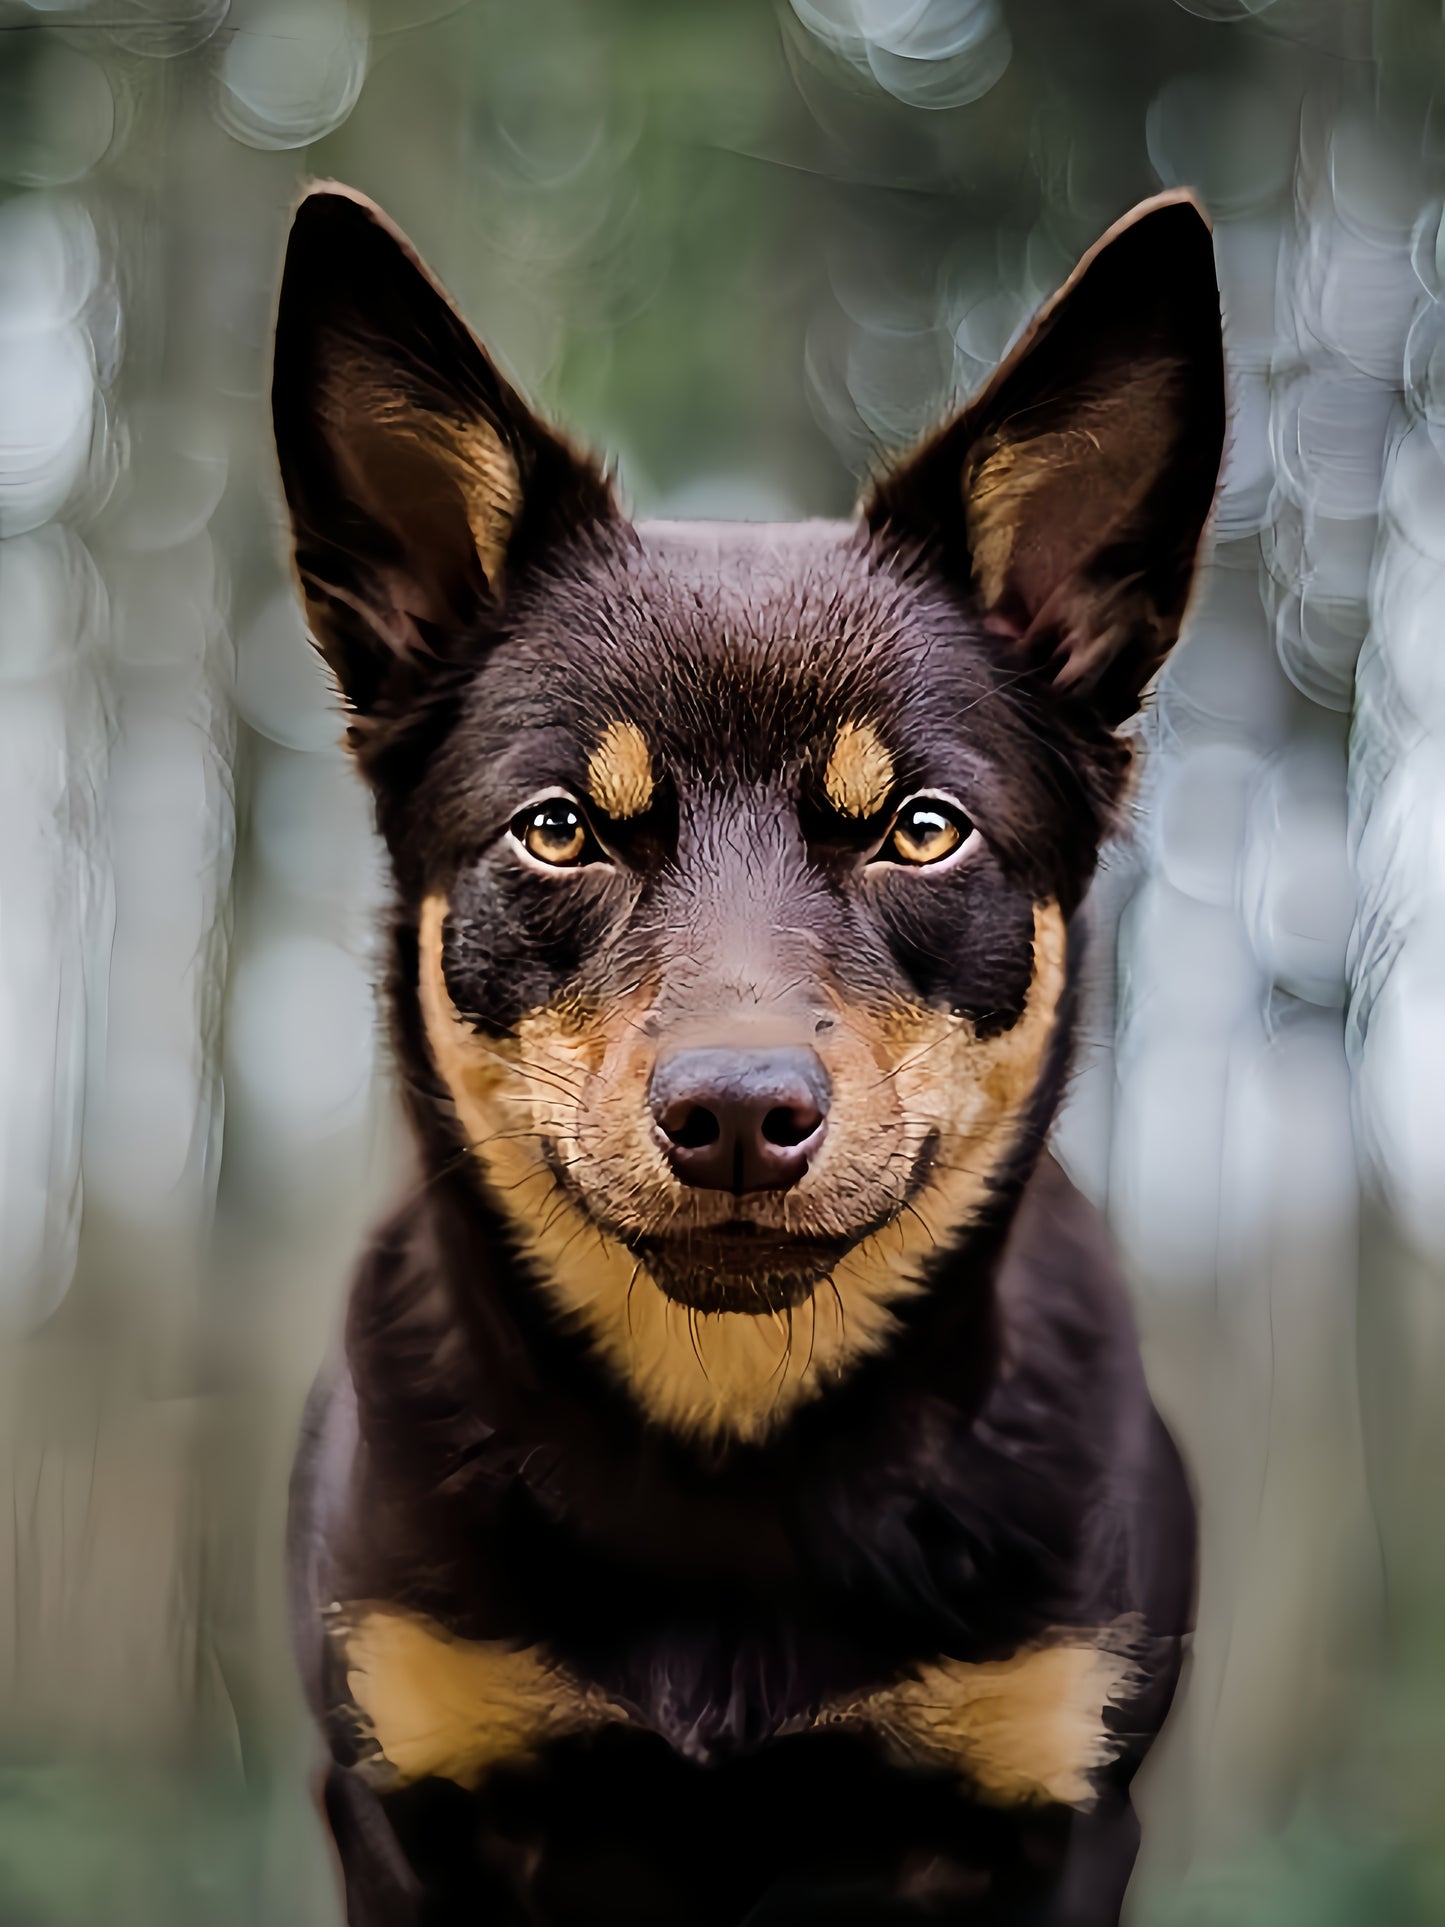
x: 1022, y: 1731
x: 433, y: 1706
x: 1025, y: 1730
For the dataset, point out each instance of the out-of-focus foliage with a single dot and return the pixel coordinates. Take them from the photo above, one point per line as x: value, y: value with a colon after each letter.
x: 745, y: 248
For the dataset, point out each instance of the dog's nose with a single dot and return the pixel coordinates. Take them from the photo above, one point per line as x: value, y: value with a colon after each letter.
x: 740, y: 1120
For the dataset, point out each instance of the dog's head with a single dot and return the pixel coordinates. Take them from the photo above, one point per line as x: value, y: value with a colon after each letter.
x: 739, y: 861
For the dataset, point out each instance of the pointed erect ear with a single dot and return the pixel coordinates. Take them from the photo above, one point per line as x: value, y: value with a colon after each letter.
x: 1073, y: 491
x: 418, y: 481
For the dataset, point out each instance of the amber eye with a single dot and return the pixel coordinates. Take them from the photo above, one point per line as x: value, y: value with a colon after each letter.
x: 554, y: 831
x: 925, y: 830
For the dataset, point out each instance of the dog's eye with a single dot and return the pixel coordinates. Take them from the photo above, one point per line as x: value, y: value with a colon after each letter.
x: 925, y: 830
x: 555, y: 832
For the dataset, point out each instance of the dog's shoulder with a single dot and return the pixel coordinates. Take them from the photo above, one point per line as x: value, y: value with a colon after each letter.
x: 320, y: 1474
x: 1070, y: 1341
x: 1059, y: 1246
x: 1066, y: 1315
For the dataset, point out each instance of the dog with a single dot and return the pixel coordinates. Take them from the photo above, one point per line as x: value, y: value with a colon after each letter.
x: 739, y: 1500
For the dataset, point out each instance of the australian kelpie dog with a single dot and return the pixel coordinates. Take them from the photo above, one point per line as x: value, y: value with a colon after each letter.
x: 740, y: 1500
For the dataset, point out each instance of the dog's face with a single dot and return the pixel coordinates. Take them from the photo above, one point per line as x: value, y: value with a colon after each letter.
x: 740, y: 860
x: 741, y: 917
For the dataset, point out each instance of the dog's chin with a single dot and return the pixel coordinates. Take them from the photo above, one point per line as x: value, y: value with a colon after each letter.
x: 739, y: 1268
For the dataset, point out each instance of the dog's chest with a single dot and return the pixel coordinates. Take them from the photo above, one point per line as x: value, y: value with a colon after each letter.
x: 1028, y: 1729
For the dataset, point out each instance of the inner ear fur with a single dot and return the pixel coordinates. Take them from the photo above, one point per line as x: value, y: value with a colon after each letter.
x: 418, y: 480
x: 1071, y: 494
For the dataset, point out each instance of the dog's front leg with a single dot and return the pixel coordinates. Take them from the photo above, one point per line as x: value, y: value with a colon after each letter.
x: 1103, y: 1844
x: 1067, y: 1869
x: 380, y: 1885
x: 1061, y: 1868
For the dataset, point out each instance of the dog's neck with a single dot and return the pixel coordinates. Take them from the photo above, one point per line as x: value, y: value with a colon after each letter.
x: 472, y: 1398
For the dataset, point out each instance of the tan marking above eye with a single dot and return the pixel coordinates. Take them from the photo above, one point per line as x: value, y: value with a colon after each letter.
x: 619, y: 771
x: 860, y: 771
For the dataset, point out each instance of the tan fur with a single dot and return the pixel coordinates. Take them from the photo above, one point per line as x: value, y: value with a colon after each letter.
x: 491, y: 489
x: 413, y: 445
x: 1020, y: 1731
x: 435, y: 1706
x: 860, y: 771
x: 579, y: 1081
x: 972, y: 1091
x: 1027, y: 493
x: 619, y: 771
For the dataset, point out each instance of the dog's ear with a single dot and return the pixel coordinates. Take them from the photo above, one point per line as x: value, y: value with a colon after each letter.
x: 419, y: 483
x: 1072, y: 492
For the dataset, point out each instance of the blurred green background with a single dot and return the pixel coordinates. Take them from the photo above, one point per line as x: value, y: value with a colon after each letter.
x: 743, y: 248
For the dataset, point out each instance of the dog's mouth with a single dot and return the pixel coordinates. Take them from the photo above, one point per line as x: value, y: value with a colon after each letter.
x: 739, y: 1267
x: 744, y: 1260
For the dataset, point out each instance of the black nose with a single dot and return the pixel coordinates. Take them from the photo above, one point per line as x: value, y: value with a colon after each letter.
x: 740, y: 1120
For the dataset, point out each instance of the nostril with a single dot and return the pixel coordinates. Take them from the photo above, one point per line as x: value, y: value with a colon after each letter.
x: 739, y: 1120
x: 791, y: 1124
x: 691, y: 1127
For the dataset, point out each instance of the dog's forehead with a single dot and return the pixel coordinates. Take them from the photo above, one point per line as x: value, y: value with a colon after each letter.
x: 717, y: 597
x: 768, y: 561
x: 719, y: 640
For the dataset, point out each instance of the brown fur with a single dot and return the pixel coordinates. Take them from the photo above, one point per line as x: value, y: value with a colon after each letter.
x: 378, y: 431
x: 1036, y: 497
x: 844, y: 1497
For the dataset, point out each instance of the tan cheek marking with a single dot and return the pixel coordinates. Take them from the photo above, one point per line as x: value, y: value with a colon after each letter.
x: 860, y: 771
x: 434, y: 1706
x: 467, y: 1075
x: 1021, y: 1731
x: 970, y: 1081
x: 473, y: 1070
x: 973, y: 1091
x: 619, y: 771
